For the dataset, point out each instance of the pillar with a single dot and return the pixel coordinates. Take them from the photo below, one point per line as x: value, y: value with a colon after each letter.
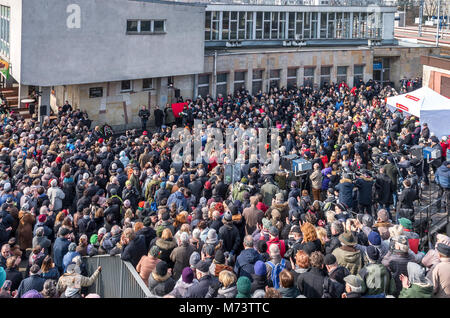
x: 44, y: 99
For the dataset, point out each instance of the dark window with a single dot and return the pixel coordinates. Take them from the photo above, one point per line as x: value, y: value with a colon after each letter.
x: 95, y: 92
x: 146, y: 26
x: 147, y: 83
x: 132, y: 26
x: 125, y: 86
x: 158, y: 26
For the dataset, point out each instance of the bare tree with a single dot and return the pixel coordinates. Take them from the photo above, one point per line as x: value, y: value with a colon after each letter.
x: 430, y: 7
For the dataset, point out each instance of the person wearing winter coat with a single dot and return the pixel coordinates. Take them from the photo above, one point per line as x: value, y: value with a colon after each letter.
x: 148, y: 263
x: 70, y: 255
x: 377, y: 278
x: 396, y: 260
x: 252, y: 216
x: 415, y: 285
x: 130, y: 193
x: 134, y: 247
x: 166, y: 244
x: 259, y: 278
x: 41, y: 240
x: 316, y: 181
x: 268, y: 191
x: 180, y: 255
x: 205, y: 280
x: 186, y: 282
x: 442, y: 178
x: 441, y: 273
x: 229, y: 234
x: 228, y: 281
x: 56, y: 195
x: 34, y: 281
x: 345, y: 188
x: 246, y: 260
x: 25, y: 229
x: 384, y: 190
x: 287, y: 285
x: 123, y: 158
x: 178, y: 198
x: 60, y: 247
x: 70, y: 284
x: 347, y: 255
x: 310, y: 283
x: 160, y: 282
x: 364, y: 185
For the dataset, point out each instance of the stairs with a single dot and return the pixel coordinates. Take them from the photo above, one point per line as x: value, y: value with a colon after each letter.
x: 11, y: 94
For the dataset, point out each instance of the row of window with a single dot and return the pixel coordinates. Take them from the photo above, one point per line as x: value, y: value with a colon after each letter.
x: 125, y: 86
x: 5, y: 14
x: 273, y: 77
x: 146, y: 26
x: 245, y: 25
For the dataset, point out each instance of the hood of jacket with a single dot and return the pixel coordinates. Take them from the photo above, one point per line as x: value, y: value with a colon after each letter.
x: 249, y: 256
x: 350, y: 255
x: 344, y: 180
x: 166, y: 244
x: 228, y: 292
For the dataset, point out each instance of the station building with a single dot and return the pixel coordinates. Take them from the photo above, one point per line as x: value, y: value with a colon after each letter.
x: 111, y: 56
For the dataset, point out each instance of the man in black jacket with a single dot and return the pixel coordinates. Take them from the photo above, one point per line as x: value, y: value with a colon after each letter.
x: 406, y: 201
x: 35, y: 282
x: 159, y: 117
x: 205, y: 280
x: 229, y: 234
x: 134, y: 247
x: 144, y: 114
x: 310, y: 284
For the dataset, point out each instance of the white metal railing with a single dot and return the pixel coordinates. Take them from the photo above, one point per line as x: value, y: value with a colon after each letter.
x: 118, y: 279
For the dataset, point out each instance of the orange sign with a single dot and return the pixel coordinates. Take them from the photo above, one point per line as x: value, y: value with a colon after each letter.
x: 414, y: 98
x: 402, y: 107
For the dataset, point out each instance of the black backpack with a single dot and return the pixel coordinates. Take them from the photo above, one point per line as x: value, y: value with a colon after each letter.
x: 332, y: 288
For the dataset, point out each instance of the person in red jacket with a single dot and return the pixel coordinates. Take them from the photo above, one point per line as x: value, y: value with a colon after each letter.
x: 273, y: 233
x: 445, y: 144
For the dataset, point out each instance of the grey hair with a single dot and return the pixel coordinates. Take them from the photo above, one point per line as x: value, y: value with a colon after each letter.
x: 248, y: 241
x: 184, y: 237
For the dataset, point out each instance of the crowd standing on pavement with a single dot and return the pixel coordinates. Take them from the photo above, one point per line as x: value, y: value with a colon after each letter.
x: 345, y: 229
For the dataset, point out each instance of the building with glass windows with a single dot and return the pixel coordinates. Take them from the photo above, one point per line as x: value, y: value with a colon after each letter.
x: 110, y: 56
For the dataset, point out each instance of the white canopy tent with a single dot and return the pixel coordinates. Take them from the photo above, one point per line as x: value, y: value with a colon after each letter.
x: 431, y: 108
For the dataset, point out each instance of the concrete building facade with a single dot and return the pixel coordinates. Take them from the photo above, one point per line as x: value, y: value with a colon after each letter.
x: 109, y: 57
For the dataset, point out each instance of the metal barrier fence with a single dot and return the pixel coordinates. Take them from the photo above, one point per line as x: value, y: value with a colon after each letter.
x: 118, y: 279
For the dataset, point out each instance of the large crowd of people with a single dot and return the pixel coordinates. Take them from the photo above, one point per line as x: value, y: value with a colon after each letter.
x: 344, y: 229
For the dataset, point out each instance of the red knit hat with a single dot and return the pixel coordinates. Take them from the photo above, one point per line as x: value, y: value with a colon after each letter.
x: 100, y: 140
x: 58, y: 160
x: 144, y: 132
x: 42, y: 218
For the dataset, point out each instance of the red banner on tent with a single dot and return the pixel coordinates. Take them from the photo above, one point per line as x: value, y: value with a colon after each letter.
x: 177, y: 108
x: 414, y: 98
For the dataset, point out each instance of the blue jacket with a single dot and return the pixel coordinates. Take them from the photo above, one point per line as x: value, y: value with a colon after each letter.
x: 443, y: 176
x: 345, y: 188
x: 60, y: 248
x: 245, y: 263
x: 179, y: 199
x: 67, y: 259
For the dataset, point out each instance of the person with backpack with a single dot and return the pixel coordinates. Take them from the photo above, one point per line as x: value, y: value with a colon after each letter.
x: 275, y: 265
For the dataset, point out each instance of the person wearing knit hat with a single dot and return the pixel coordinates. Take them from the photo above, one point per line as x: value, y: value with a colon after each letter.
x: 406, y: 223
x: 353, y: 287
x: 244, y: 286
x: 184, y: 284
x: 212, y: 237
x: 160, y: 281
x: 440, y: 276
x: 431, y: 259
x: 194, y: 259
